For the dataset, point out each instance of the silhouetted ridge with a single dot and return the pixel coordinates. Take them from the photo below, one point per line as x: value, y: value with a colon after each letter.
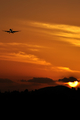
x: 47, y: 96
x: 56, y: 88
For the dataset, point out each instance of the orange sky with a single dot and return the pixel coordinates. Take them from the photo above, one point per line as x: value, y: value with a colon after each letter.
x: 48, y: 44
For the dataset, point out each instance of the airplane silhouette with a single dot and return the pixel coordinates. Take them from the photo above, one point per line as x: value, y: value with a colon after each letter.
x: 10, y: 31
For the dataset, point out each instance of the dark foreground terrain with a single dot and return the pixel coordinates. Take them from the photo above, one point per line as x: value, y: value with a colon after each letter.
x: 49, y: 94
x: 49, y: 102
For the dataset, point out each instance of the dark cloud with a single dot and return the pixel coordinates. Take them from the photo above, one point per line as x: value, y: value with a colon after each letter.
x: 5, y: 80
x: 70, y: 79
x: 41, y: 80
x: 23, y: 80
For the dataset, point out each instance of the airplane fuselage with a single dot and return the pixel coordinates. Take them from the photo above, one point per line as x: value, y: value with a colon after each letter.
x: 11, y: 31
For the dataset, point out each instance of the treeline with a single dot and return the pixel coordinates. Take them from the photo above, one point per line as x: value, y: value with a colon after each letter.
x: 58, y: 93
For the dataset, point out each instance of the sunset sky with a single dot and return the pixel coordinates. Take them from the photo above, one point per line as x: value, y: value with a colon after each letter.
x: 48, y: 44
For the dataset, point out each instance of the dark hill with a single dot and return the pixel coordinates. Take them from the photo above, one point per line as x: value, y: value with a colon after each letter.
x: 54, y: 89
x: 54, y: 94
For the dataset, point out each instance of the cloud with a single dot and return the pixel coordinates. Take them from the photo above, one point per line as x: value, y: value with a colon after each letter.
x: 5, y: 81
x: 41, y: 80
x: 69, y: 32
x: 37, y: 83
x: 59, y: 69
x: 14, y: 52
x: 16, y: 47
x: 23, y: 57
x: 64, y: 69
x: 61, y: 27
x: 21, y: 45
x: 70, y: 79
x: 34, y: 49
x: 23, y: 80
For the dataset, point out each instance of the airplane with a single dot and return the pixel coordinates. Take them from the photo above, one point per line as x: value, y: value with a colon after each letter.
x: 10, y: 31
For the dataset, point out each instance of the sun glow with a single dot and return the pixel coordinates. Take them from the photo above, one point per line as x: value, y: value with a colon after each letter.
x: 73, y: 84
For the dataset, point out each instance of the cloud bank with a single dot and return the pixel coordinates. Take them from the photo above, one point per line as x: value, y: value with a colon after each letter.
x: 14, y: 52
x: 5, y: 81
x: 41, y: 80
x: 10, y: 54
x: 70, y: 79
x: 71, y: 34
x: 23, y: 57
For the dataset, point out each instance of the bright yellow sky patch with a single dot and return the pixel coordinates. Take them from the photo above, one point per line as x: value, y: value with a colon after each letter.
x: 73, y: 84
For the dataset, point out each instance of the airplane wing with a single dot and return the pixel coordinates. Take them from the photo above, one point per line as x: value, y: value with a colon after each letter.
x: 15, y: 31
x: 6, y: 31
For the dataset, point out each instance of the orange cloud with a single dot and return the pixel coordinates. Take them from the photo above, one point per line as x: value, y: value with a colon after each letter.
x: 34, y: 49
x: 61, y: 27
x: 66, y: 69
x: 63, y: 69
x: 71, y: 34
x: 14, y: 46
x: 21, y: 44
x: 22, y: 57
